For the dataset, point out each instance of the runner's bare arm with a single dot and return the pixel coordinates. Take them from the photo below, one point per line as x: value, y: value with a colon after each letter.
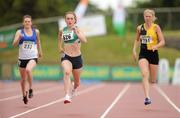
x: 39, y: 43
x: 60, y: 42
x: 17, y: 38
x: 80, y: 35
x: 136, y: 43
x: 160, y: 38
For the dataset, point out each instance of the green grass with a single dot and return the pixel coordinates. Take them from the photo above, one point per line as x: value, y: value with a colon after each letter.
x: 101, y: 50
x: 175, y: 34
x: 110, y: 50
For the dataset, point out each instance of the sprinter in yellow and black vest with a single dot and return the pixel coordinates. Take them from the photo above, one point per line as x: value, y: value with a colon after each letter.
x: 150, y: 39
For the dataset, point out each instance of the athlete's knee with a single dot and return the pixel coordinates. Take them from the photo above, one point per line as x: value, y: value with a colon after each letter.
x: 22, y: 81
x: 145, y: 74
x: 28, y: 70
x: 67, y: 73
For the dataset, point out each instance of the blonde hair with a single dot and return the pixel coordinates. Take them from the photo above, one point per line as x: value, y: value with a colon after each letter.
x: 71, y: 12
x: 152, y: 12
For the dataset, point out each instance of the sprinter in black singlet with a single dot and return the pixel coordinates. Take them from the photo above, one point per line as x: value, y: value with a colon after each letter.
x: 150, y: 39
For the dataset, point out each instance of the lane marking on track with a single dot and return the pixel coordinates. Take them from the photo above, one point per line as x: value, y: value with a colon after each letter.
x: 57, y: 101
x: 122, y: 92
x: 37, y: 92
x: 167, y: 98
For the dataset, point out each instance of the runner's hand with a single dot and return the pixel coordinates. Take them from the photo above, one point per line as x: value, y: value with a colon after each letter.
x: 154, y: 48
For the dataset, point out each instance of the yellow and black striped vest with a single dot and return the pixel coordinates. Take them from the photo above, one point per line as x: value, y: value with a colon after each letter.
x: 148, y: 37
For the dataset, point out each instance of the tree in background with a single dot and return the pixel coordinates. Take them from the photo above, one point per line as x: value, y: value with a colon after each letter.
x: 168, y: 17
x: 11, y: 11
x: 158, y: 3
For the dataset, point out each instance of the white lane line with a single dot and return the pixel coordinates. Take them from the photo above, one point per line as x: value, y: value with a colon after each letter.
x: 57, y: 101
x: 116, y: 100
x: 38, y: 92
x: 167, y: 98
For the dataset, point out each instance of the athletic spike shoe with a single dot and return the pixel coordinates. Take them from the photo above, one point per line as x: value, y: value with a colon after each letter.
x: 73, y: 91
x: 147, y: 101
x: 67, y: 99
x: 25, y: 98
x: 30, y: 93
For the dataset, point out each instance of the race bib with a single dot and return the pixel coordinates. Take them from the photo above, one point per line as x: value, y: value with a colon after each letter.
x: 28, y: 45
x: 146, y: 39
x: 68, y: 36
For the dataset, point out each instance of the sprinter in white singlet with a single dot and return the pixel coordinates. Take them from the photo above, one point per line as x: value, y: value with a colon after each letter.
x: 28, y: 40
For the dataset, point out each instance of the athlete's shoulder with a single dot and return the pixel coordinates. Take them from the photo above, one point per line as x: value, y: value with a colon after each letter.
x: 156, y: 26
x: 18, y: 31
x: 139, y: 27
x: 65, y: 28
x: 37, y: 30
x: 60, y: 30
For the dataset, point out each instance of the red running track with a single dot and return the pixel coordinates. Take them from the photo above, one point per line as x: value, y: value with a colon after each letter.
x: 95, y: 100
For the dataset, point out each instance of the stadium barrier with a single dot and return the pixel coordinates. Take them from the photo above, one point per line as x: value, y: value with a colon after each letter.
x: 176, y: 75
x: 106, y: 73
x: 163, y: 72
x: 6, y: 39
x: 44, y: 72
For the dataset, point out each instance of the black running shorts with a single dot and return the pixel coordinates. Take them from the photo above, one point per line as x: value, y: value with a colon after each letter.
x: 77, y: 62
x: 23, y: 62
x: 152, y: 57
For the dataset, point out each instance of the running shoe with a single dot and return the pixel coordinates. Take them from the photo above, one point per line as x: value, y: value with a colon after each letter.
x: 73, y: 92
x: 25, y: 99
x: 67, y: 99
x: 147, y: 101
x: 30, y: 93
